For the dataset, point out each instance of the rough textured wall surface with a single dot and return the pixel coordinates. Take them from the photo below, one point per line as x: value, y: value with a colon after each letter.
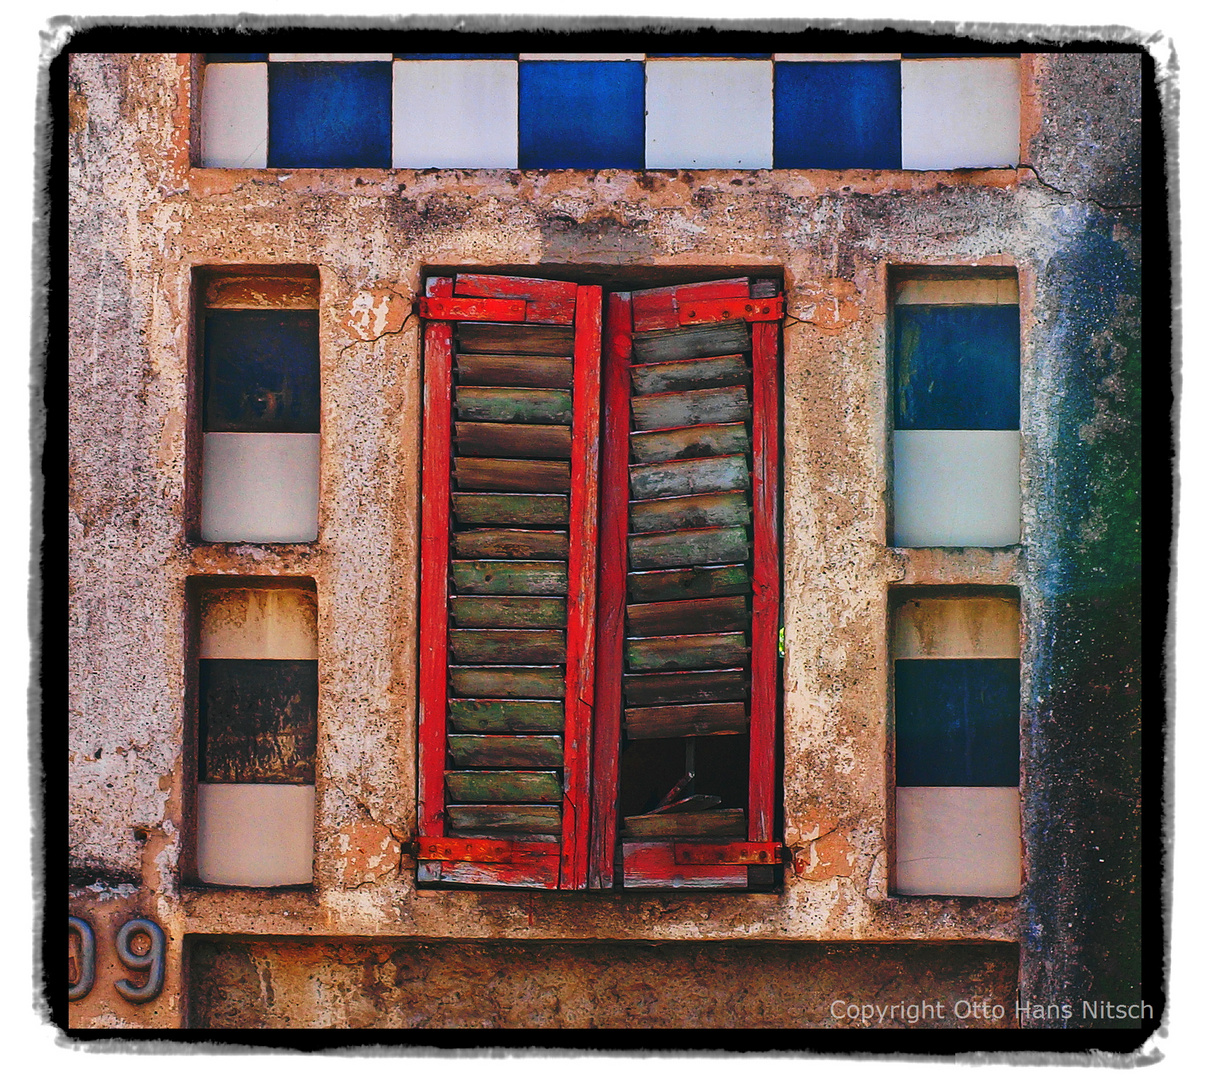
x: 308, y: 984
x: 143, y: 219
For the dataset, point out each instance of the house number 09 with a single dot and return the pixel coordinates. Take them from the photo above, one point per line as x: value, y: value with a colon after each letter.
x: 151, y: 961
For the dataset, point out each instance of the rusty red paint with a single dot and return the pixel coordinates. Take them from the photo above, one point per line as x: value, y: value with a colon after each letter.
x: 463, y: 849
x: 653, y: 864
x: 473, y: 309
x: 767, y: 309
x: 501, y: 287
x: 728, y: 854
x: 657, y: 309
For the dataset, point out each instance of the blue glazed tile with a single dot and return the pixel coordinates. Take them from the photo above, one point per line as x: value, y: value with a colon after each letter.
x: 843, y: 115
x: 330, y: 115
x: 580, y: 114
x: 236, y: 57
x: 957, y: 723
x: 956, y: 368
x: 262, y: 371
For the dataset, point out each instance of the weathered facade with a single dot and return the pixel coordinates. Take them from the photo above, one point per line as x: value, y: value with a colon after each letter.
x: 365, y: 944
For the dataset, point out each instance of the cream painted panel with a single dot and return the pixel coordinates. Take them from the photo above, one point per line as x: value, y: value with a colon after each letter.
x: 959, y: 114
x: 958, y: 291
x: 454, y: 114
x: 951, y: 627
x: 255, y: 834
x: 235, y: 116
x: 258, y: 624
x: 260, y: 487
x: 958, y: 841
x: 955, y: 488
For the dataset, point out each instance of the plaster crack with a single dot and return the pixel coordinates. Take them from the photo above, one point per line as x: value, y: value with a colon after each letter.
x: 1109, y: 207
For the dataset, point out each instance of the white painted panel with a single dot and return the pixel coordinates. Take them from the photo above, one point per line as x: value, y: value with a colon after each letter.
x: 958, y: 114
x: 327, y: 57
x: 454, y: 114
x: 951, y: 627
x: 260, y: 487
x: 235, y: 116
x: 973, y: 290
x: 955, y: 488
x: 709, y: 114
x: 258, y: 624
x: 958, y: 841
x: 255, y: 834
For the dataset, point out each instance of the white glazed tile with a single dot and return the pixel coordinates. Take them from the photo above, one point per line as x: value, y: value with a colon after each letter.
x: 958, y: 841
x: 955, y: 488
x: 953, y: 627
x: 328, y: 58
x: 581, y: 56
x: 455, y: 114
x: 959, y: 114
x: 975, y: 290
x: 235, y: 116
x: 260, y: 487
x: 255, y: 834
x: 271, y: 623
x: 709, y: 114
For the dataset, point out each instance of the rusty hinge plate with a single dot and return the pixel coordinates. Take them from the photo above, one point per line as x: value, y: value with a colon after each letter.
x: 461, y: 849
x: 473, y: 308
x: 765, y: 309
x: 735, y: 854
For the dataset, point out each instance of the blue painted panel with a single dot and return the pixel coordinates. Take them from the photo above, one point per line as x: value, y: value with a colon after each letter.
x: 330, y: 115
x: 714, y: 55
x: 956, y: 368
x: 261, y: 371
x: 837, y: 115
x: 455, y: 56
x: 957, y: 723
x: 580, y: 114
x: 236, y: 57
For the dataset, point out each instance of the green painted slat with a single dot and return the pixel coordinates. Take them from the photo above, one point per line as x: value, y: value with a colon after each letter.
x: 650, y: 585
x: 673, y: 826
x: 719, y: 406
x: 713, y: 613
x: 508, y: 474
x: 692, y: 547
x: 492, y: 578
x: 546, y: 441
x: 690, y: 477
x: 685, y: 687
x: 681, y: 721
x: 520, y: 681
x: 507, y: 646
x: 506, y: 751
x: 503, y: 716
x: 690, y: 512
x: 512, y: 404
x: 503, y: 612
x: 706, y: 440
x: 686, y: 652
x: 689, y: 342
x: 689, y: 375
x: 510, y: 544
x: 504, y: 786
x: 476, y: 509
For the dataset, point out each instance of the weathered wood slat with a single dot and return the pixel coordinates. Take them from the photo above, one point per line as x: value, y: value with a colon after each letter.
x: 504, y: 786
x: 685, y: 687
x: 493, y: 820
x: 701, y: 823
x: 688, y: 616
x: 686, y: 652
x: 680, y: 721
x: 720, y: 405
x: 491, y: 578
x: 520, y: 681
x: 707, y: 440
x: 510, y: 474
x: 510, y: 544
x: 689, y: 342
x: 690, y: 512
x: 481, y: 337
x: 503, y: 716
x: 652, y: 865
x: 691, y: 547
x: 536, y: 372
x: 531, y: 873
x: 502, y: 612
x: 507, y: 646
x: 651, y: 585
x: 506, y: 751
x: 489, y: 509
x: 703, y: 374
x: 690, y: 477
x: 513, y: 405
x: 524, y: 288
x: 513, y: 440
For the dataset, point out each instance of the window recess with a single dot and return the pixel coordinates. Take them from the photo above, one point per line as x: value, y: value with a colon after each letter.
x: 259, y: 387
x: 592, y: 699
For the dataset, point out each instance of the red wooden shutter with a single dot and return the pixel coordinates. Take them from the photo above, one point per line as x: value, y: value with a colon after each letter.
x: 508, y: 590
x: 688, y: 588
